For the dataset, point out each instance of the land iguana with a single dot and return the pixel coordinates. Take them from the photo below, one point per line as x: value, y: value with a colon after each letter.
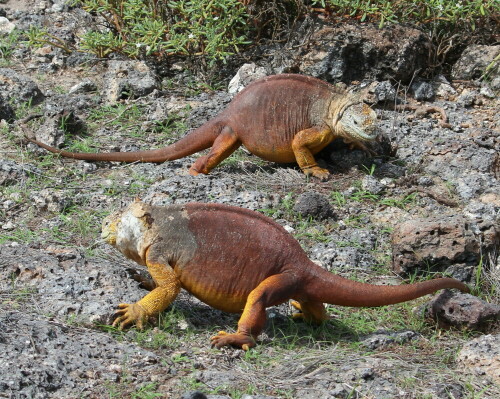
x: 235, y: 260
x: 281, y: 118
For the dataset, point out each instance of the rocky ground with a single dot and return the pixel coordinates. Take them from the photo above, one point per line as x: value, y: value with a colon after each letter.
x: 426, y: 204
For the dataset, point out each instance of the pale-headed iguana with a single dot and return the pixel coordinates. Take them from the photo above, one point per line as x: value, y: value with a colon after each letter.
x: 235, y: 260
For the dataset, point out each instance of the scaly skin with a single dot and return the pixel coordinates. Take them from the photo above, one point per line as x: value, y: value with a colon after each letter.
x: 238, y: 261
x: 282, y: 118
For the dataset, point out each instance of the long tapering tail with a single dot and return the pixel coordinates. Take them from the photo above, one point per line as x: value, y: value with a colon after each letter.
x: 195, y: 141
x: 333, y: 289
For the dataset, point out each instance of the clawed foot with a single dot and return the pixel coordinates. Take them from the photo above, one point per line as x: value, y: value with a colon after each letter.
x: 239, y: 340
x: 316, y: 171
x: 313, y: 315
x: 130, y: 314
x: 300, y: 313
x: 193, y: 172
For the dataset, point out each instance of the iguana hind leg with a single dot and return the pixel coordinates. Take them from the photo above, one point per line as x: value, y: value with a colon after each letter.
x: 308, y: 142
x: 167, y: 289
x: 311, y: 312
x: 272, y: 291
x: 224, y: 145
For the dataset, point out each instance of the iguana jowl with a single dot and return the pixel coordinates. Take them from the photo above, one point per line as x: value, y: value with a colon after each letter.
x: 282, y: 118
x: 238, y: 261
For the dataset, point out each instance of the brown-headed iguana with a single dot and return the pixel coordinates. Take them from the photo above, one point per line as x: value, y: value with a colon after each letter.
x: 281, y: 118
x: 235, y: 260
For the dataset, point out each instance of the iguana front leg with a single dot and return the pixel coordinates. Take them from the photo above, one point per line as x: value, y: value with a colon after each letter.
x: 156, y: 301
x: 308, y: 142
x: 272, y: 291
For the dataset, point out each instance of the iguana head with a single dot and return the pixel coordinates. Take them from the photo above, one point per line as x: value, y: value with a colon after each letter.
x: 110, y: 227
x: 354, y: 120
x: 126, y: 230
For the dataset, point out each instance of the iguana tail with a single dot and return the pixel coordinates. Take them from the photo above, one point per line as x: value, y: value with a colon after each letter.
x: 197, y: 140
x: 333, y: 289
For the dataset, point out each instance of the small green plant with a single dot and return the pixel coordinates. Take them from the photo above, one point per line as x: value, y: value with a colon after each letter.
x: 38, y: 37
x: 403, y: 203
x: 339, y: 198
x: 147, y: 391
x: 8, y: 44
x: 307, y: 228
x: 207, y: 29
x: 370, y: 170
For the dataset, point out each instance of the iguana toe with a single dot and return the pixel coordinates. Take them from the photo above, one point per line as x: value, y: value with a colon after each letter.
x: 129, y: 314
x: 242, y: 341
x: 319, y: 173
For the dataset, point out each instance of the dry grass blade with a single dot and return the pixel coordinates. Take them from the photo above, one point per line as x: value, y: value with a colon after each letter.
x: 284, y: 178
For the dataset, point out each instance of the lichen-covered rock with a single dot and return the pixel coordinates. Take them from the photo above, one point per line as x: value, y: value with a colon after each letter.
x: 372, y: 185
x: 19, y: 88
x: 183, y: 188
x: 433, y: 244
x: 68, y: 283
x: 129, y: 79
x: 384, y: 91
x: 313, y: 204
x: 55, y: 125
x: 474, y: 60
x: 85, y: 86
x: 6, y: 26
x: 43, y: 359
x: 245, y: 75
x: 380, y: 339
x: 350, y: 52
x: 6, y: 111
x: 346, y: 250
x: 52, y: 201
x: 451, y: 309
x: 422, y: 90
x: 481, y: 356
x: 11, y: 172
x: 450, y: 159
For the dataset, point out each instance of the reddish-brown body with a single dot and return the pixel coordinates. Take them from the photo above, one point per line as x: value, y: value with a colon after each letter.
x: 236, y: 260
x: 281, y: 118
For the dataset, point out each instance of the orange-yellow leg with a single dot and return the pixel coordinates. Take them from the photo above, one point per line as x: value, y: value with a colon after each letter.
x: 308, y: 142
x: 224, y: 145
x: 272, y: 291
x: 167, y: 289
x: 311, y: 312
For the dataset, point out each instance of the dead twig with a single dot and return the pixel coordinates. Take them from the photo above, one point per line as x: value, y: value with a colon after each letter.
x: 434, y: 196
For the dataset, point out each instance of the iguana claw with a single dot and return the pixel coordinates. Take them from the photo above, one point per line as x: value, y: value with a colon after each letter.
x: 316, y: 171
x: 129, y: 314
x: 243, y: 341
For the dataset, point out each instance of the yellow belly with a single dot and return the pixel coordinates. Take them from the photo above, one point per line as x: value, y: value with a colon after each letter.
x: 225, y: 301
